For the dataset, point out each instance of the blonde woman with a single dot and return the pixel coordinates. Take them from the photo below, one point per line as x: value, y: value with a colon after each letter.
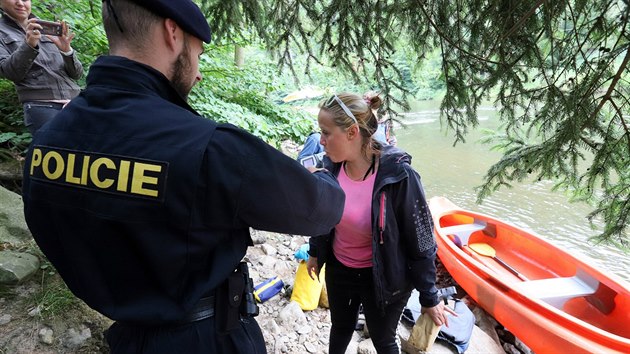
x: 383, y: 247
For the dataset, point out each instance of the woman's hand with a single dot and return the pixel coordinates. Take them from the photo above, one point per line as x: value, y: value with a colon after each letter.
x: 438, y: 313
x: 63, y: 42
x: 311, y: 267
x: 33, y: 33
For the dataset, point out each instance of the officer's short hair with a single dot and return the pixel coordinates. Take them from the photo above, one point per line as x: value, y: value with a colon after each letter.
x: 185, y: 13
x: 127, y: 23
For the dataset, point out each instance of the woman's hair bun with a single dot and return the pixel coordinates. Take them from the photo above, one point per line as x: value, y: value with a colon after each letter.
x: 373, y: 99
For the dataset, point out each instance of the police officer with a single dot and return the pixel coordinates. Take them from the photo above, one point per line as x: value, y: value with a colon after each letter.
x: 144, y: 207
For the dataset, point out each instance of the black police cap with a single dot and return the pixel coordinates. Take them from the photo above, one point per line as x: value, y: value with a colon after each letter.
x: 184, y: 12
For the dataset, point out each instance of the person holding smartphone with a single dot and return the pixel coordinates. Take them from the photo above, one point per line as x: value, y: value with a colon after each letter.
x: 147, y: 208
x: 43, y: 67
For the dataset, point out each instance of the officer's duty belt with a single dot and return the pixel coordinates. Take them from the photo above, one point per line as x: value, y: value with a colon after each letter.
x: 203, y: 310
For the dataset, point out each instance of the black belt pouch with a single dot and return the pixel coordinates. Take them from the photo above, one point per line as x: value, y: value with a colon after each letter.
x: 229, y: 297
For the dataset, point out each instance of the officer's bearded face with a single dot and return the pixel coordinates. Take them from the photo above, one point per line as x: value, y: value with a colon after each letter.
x: 184, y: 75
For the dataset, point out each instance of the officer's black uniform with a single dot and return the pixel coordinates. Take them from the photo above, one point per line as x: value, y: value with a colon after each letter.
x: 144, y: 207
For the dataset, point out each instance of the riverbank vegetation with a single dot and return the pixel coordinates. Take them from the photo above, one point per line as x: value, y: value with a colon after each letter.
x: 558, y: 72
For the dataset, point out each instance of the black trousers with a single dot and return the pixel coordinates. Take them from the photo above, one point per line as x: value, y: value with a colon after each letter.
x: 347, y: 289
x: 191, y: 338
x: 37, y: 114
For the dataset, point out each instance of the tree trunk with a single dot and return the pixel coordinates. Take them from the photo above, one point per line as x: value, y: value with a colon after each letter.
x: 239, y: 56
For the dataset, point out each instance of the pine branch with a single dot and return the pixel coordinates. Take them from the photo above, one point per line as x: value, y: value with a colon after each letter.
x: 608, y: 95
x: 558, y: 70
x: 520, y: 22
x: 446, y: 38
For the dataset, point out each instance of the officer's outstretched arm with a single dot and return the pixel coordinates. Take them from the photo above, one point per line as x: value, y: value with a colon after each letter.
x: 271, y: 191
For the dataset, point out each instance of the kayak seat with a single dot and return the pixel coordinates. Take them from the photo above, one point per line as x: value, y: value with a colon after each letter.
x: 462, y: 232
x: 557, y: 291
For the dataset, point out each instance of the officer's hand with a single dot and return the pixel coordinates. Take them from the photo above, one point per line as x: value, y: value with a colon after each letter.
x: 311, y: 267
x: 438, y: 313
x: 315, y: 169
x: 33, y: 33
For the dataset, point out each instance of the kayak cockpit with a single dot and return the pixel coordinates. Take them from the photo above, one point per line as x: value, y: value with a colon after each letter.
x: 462, y: 232
x: 557, y: 291
x: 538, y: 271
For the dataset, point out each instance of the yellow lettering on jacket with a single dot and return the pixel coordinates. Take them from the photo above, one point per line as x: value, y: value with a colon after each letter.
x: 70, y: 178
x: 123, y: 179
x: 99, y: 172
x: 84, y: 170
x: 36, y: 159
x: 94, y: 170
x: 59, y: 165
x: 140, y: 179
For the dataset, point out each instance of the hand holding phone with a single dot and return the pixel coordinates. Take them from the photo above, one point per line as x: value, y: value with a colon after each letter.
x: 309, y: 161
x: 50, y: 28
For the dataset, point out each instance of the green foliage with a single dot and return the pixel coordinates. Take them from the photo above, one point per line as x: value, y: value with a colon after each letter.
x: 227, y: 94
x: 564, y: 100
x: 84, y: 19
x: 429, y: 79
x: 14, y: 138
x: 359, y: 40
x: 53, y: 298
x: 558, y: 70
x: 243, y: 97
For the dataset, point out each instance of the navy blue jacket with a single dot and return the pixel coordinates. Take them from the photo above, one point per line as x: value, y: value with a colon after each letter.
x: 144, y: 207
x: 403, y: 243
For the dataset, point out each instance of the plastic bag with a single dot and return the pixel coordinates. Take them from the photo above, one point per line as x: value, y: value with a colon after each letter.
x: 302, y: 253
x: 306, y: 291
x: 323, y: 297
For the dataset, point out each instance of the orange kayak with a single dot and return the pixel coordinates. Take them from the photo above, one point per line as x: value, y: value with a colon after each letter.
x: 548, y: 298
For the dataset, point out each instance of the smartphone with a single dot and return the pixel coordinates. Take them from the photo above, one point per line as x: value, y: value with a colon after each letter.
x: 50, y: 28
x: 309, y: 161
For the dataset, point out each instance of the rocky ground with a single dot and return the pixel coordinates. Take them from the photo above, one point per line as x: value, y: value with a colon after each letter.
x: 40, y: 316
x: 27, y: 324
x: 288, y: 329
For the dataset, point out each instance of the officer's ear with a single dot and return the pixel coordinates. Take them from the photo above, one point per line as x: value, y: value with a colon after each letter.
x: 173, y: 35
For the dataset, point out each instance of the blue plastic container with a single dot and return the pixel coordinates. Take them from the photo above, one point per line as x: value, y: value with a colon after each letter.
x: 268, y: 289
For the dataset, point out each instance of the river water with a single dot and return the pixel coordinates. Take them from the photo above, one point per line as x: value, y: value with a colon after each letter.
x: 454, y: 172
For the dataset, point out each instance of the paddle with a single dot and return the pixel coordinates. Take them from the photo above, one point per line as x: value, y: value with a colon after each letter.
x: 485, y: 249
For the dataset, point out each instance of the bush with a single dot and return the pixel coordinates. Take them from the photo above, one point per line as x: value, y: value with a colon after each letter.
x: 244, y: 97
x: 14, y: 137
